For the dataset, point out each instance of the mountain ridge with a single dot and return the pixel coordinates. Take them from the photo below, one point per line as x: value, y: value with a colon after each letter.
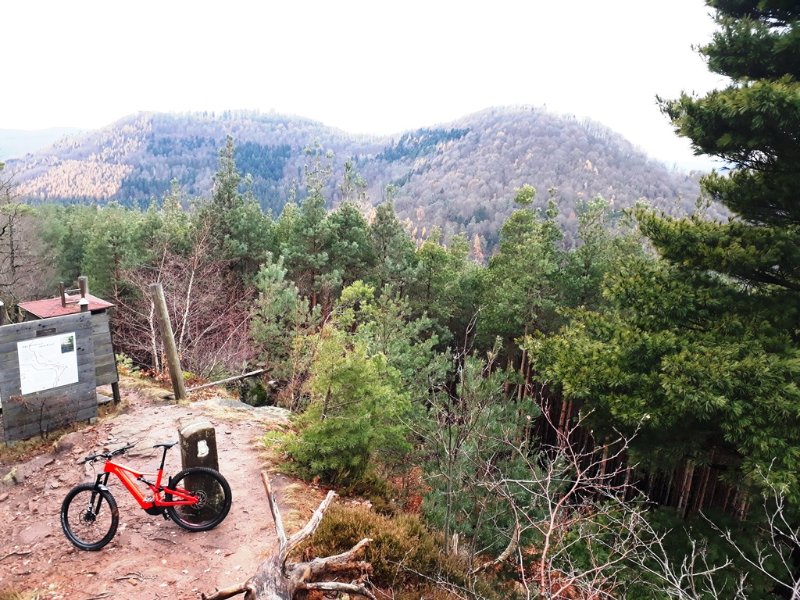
x: 459, y: 176
x: 15, y: 143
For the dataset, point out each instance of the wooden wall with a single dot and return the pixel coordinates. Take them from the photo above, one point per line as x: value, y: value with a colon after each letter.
x: 37, y: 413
x: 105, y: 361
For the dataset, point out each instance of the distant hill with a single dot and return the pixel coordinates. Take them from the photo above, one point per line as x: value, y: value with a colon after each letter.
x: 15, y: 143
x: 459, y: 176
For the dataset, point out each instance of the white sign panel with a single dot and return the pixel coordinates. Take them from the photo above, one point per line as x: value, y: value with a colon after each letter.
x: 47, y: 362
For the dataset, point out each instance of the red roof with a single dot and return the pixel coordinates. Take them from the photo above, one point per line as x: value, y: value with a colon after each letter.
x: 51, y: 307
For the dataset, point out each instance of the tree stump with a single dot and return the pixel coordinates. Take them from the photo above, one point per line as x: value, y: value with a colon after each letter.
x: 276, y: 580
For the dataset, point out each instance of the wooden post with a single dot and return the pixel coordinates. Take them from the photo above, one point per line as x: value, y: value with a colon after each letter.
x: 62, y: 289
x: 3, y: 317
x: 83, y: 285
x: 115, y: 392
x: 170, y: 349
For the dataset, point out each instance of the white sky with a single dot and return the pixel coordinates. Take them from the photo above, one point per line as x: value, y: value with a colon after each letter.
x: 366, y: 67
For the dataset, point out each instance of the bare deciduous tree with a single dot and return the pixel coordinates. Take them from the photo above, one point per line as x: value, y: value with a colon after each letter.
x: 576, y: 505
x: 24, y: 270
x: 208, y: 311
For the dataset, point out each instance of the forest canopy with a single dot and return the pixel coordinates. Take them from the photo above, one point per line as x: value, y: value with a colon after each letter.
x: 606, y: 410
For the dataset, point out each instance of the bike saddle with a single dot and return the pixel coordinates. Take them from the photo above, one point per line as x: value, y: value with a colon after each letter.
x: 165, y: 445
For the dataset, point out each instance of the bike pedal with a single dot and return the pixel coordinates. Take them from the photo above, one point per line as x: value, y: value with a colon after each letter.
x: 165, y: 515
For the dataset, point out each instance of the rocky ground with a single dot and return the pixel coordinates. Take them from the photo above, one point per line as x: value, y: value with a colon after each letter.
x: 149, y: 557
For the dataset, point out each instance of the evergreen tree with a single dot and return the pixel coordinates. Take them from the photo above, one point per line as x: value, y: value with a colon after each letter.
x: 445, y: 286
x: 752, y: 125
x: 754, y: 258
x: 241, y: 230
x: 355, y: 420
x: 352, y: 252
x: 386, y: 326
x: 102, y: 243
x: 306, y: 250
x: 394, y: 250
x: 278, y: 317
x: 601, y: 245
x: 521, y: 284
x: 176, y: 230
x: 226, y: 196
x: 704, y: 345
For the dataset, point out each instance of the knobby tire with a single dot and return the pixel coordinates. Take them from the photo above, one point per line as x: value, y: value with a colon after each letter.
x: 89, y: 516
x: 215, y: 498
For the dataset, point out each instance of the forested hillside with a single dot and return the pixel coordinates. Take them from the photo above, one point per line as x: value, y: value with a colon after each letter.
x: 458, y: 177
x: 605, y: 410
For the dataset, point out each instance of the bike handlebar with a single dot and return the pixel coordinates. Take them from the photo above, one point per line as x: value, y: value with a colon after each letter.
x: 107, y: 455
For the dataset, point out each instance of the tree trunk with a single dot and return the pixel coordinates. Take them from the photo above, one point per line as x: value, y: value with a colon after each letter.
x: 686, y: 488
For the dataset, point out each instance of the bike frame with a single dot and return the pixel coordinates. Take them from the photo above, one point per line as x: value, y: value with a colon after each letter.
x: 127, y: 476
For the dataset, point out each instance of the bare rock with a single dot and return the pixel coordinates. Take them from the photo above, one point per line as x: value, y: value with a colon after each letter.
x: 11, y: 477
x: 34, y: 533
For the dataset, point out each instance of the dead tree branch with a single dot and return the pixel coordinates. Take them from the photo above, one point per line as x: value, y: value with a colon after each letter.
x: 277, y: 580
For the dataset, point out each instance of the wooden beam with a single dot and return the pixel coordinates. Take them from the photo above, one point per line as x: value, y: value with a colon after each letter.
x: 226, y: 380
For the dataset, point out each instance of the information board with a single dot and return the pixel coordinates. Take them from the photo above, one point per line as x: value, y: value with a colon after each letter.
x: 48, y: 362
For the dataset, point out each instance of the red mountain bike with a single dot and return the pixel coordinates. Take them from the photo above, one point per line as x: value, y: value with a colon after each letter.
x: 197, y: 499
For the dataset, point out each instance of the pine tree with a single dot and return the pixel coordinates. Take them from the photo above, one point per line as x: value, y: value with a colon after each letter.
x: 753, y: 125
x: 307, y: 250
x: 352, y: 253
x: 394, y: 249
x: 702, y: 346
x: 521, y: 290
x: 242, y: 232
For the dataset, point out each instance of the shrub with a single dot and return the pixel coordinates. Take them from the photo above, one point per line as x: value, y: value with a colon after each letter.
x: 125, y: 366
x: 355, y: 418
x: 404, y: 554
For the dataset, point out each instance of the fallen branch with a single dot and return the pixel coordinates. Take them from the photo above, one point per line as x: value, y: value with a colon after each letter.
x: 226, y: 380
x: 332, y: 586
x: 512, y: 546
x: 276, y: 580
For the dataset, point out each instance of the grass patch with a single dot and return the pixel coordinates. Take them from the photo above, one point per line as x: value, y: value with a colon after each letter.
x: 15, y: 595
x: 274, y: 442
x: 299, y: 502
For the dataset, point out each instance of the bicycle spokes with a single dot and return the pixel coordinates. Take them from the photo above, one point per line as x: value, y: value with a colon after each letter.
x: 89, y: 517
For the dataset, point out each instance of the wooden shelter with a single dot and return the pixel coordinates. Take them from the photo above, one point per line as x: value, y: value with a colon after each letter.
x: 71, y: 301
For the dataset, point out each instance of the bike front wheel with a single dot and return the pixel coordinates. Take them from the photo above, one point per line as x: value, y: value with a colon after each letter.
x: 213, y: 498
x: 89, y: 516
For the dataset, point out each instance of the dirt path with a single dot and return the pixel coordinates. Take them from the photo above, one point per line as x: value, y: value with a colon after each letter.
x: 149, y: 557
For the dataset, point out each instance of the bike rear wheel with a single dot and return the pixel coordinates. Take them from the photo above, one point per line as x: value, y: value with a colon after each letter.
x: 214, y: 498
x: 89, y: 516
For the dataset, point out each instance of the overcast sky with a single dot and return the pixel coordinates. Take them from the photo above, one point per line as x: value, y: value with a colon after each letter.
x: 365, y: 67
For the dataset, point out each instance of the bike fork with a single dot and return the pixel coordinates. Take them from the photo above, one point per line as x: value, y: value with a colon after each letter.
x: 97, y: 498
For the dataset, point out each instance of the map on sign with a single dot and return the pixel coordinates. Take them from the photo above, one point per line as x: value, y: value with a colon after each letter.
x: 48, y: 362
